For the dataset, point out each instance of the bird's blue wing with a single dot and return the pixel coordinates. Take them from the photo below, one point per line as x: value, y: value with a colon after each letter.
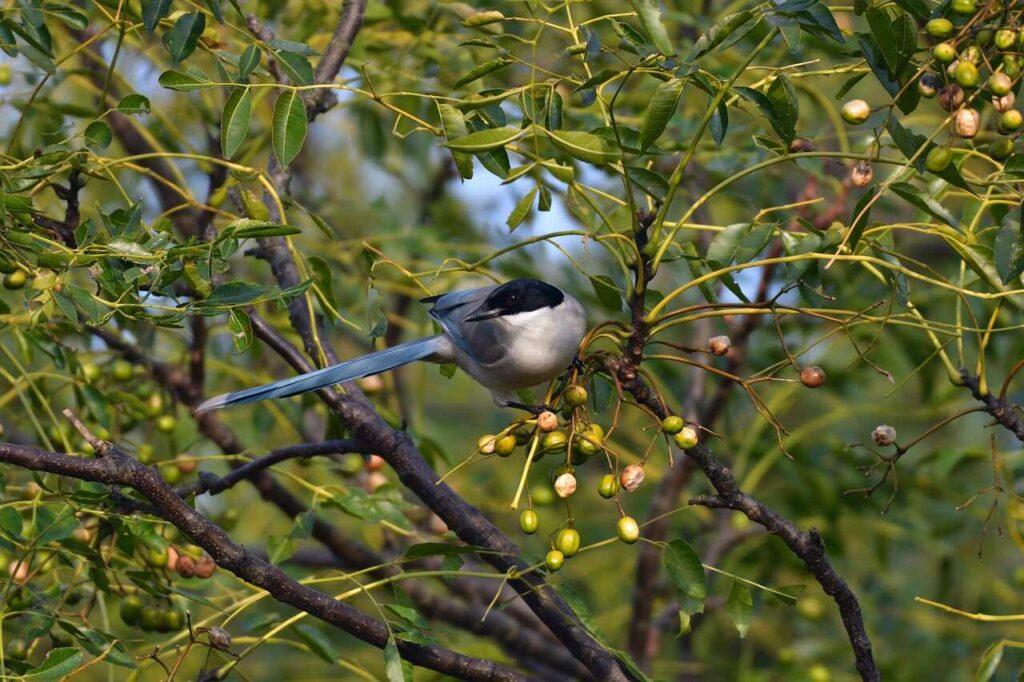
x: 451, y: 310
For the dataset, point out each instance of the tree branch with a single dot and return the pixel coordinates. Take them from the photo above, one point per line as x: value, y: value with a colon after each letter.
x: 1001, y: 410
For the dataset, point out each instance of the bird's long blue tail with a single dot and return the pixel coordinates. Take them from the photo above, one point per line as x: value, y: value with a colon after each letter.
x: 372, y: 363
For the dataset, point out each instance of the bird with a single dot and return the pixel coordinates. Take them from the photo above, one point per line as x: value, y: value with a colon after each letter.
x: 507, y: 337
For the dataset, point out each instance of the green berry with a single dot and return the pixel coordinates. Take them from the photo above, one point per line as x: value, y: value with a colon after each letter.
x: 965, y: 7
x: 16, y: 280
x: 575, y: 396
x: 556, y: 441
x: 131, y: 609
x: 505, y: 445
x: 1002, y: 149
x: 568, y: 542
x: 966, y: 74
x: 687, y: 438
x: 166, y: 423
x: 122, y: 370
x: 1005, y: 39
x: 529, y: 522
x: 999, y: 84
x: 944, y: 53
x: 554, y: 560
x: 939, y: 28
x: 855, y: 111
x: 1010, y: 121
x: 608, y: 486
x: 672, y: 425
x: 151, y: 619
x: 938, y: 159
x: 628, y: 530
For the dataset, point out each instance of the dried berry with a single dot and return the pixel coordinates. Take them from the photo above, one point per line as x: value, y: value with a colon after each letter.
x: 631, y: 477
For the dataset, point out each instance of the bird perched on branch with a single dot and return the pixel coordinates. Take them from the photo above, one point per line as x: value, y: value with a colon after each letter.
x: 507, y: 337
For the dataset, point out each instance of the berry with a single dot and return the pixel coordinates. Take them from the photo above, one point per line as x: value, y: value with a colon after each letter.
x: 5, y: 74
x: 1005, y: 39
x: 719, y: 345
x: 131, y: 609
x: 966, y: 74
x: 568, y: 542
x: 565, y: 485
x: 157, y: 558
x: 884, y: 435
x: 186, y: 566
x: 812, y: 377
x: 122, y: 370
x: 17, y: 649
x: 938, y: 159
x: 939, y: 28
x: 672, y: 425
x: 529, y: 522
x: 855, y: 111
x: 485, y: 445
x: 16, y: 280
x: 687, y: 438
x: 951, y: 97
x: 152, y: 619
x: 575, y: 396
x: 967, y: 122
x: 1002, y: 149
x: 173, y: 619
x: 944, y: 53
x: 556, y: 441
x: 800, y: 145
x: 1010, y: 121
x: 505, y: 445
x: 1004, y: 103
x: 965, y: 7
x: 166, y: 423
x: 631, y: 477
x: 999, y: 84
x: 205, y: 566
x: 219, y: 638
x: 928, y: 84
x: 608, y: 486
x: 628, y: 530
x: 554, y: 560
x: 862, y: 174
x: 547, y: 421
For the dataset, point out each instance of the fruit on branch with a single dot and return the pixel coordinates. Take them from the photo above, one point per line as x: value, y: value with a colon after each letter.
x: 547, y: 421
x: 967, y: 122
x: 628, y: 530
x: 801, y: 145
x: 884, y: 435
x: 1010, y: 121
x: 672, y: 425
x: 631, y: 477
x: 928, y: 84
x: 1004, y: 103
x: 999, y: 84
x: 186, y: 566
x: 687, y: 438
x: 720, y: 345
x: 964, y: 7
x: 122, y: 370
x: 529, y: 521
x: 565, y: 485
x: 219, y: 638
x: 554, y: 560
x: 608, y: 486
x: 505, y: 445
x: 568, y: 542
x: 575, y: 396
x: 205, y: 566
x: 131, y: 609
x: 812, y: 376
x: 556, y: 441
x: 1001, y: 149
x: 938, y: 159
x: 1005, y: 39
x: 966, y: 74
x: 15, y: 280
x: 939, y: 28
x: 166, y: 423
x: 862, y: 174
x: 944, y: 53
x: 485, y: 444
x: 855, y: 111
x: 951, y: 97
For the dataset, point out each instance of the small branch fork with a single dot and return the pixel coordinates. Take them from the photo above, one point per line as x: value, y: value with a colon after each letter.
x: 1001, y: 409
x: 114, y: 467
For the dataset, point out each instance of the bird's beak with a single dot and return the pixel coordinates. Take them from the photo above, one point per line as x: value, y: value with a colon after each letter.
x: 480, y: 314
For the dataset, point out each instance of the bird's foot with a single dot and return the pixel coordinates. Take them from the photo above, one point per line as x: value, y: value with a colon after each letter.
x: 577, y: 364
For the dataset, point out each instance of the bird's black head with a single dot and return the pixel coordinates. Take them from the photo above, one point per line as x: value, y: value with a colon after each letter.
x: 518, y: 296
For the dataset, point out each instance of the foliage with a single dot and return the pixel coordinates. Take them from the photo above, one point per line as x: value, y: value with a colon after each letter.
x: 802, y: 178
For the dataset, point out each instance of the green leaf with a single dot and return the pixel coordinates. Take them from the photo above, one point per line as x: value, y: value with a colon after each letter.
x: 69, y: 16
x: 607, y: 293
x: 650, y: 19
x: 296, y: 67
x: 317, y: 641
x: 59, y: 662
x: 241, y: 329
x: 739, y: 243
x: 1008, y: 250
x: 249, y: 60
x: 235, y: 293
x: 585, y: 146
x: 785, y: 107
x: 98, y: 135
x: 234, y: 121
x: 857, y: 229
x: 925, y: 202
x: 659, y: 111
x: 393, y: 662
x: 10, y: 523
x: 990, y: 660
x: 134, y: 104
x: 686, y: 572
x: 482, y: 70
x: 289, y: 126
x: 153, y: 11
x: 183, y: 36
x: 247, y: 228
x: 192, y: 79
x: 715, y: 35
x: 484, y: 140
x: 600, y: 77
x: 454, y: 123
x: 521, y: 210
x: 740, y: 606
x: 650, y: 182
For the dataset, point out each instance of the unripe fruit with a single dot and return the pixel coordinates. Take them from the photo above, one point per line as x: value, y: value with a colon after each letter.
x: 17, y: 649
x: 122, y: 370
x: 965, y: 7
x: 983, y: 37
x: 939, y: 28
x: 967, y: 122
x: 16, y: 280
x: 1005, y: 39
x: 687, y: 438
x: 971, y: 54
x: 884, y: 435
x: 5, y: 74
x: 173, y: 619
x: 856, y: 111
x: 628, y: 530
x: 608, y: 486
x: 1004, y: 103
x: 1002, y: 149
x: 205, y: 566
x: 862, y: 174
x: 999, y: 84
x: 131, y: 609
x: 719, y: 345
x: 145, y: 453
x: 565, y: 485
x: 529, y: 522
x: 505, y: 445
x: 575, y: 396
x: 589, y: 442
x: 951, y: 97
x: 547, y: 421
x: 944, y: 53
x: 818, y: 673
x: 1009, y: 121
x: 631, y: 477
x: 812, y: 377
x: 166, y: 423
x: 152, y: 619
x: 157, y: 558
x: 928, y: 84
x: 485, y: 444
x: 568, y: 542
x: 1011, y: 66
x: 90, y: 371
x: 556, y: 441
x: 219, y: 638
x: 554, y: 560
x: 672, y: 425
x: 938, y: 159
x: 966, y: 74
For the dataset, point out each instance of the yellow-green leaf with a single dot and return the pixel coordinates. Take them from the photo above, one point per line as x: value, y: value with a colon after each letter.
x: 454, y: 123
x: 650, y: 19
x: 659, y: 111
x: 289, y: 126
x: 485, y: 140
x: 585, y: 146
x: 521, y: 210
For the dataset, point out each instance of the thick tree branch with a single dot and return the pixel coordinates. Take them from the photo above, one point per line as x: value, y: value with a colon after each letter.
x: 114, y: 467
x: 337, y: 51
